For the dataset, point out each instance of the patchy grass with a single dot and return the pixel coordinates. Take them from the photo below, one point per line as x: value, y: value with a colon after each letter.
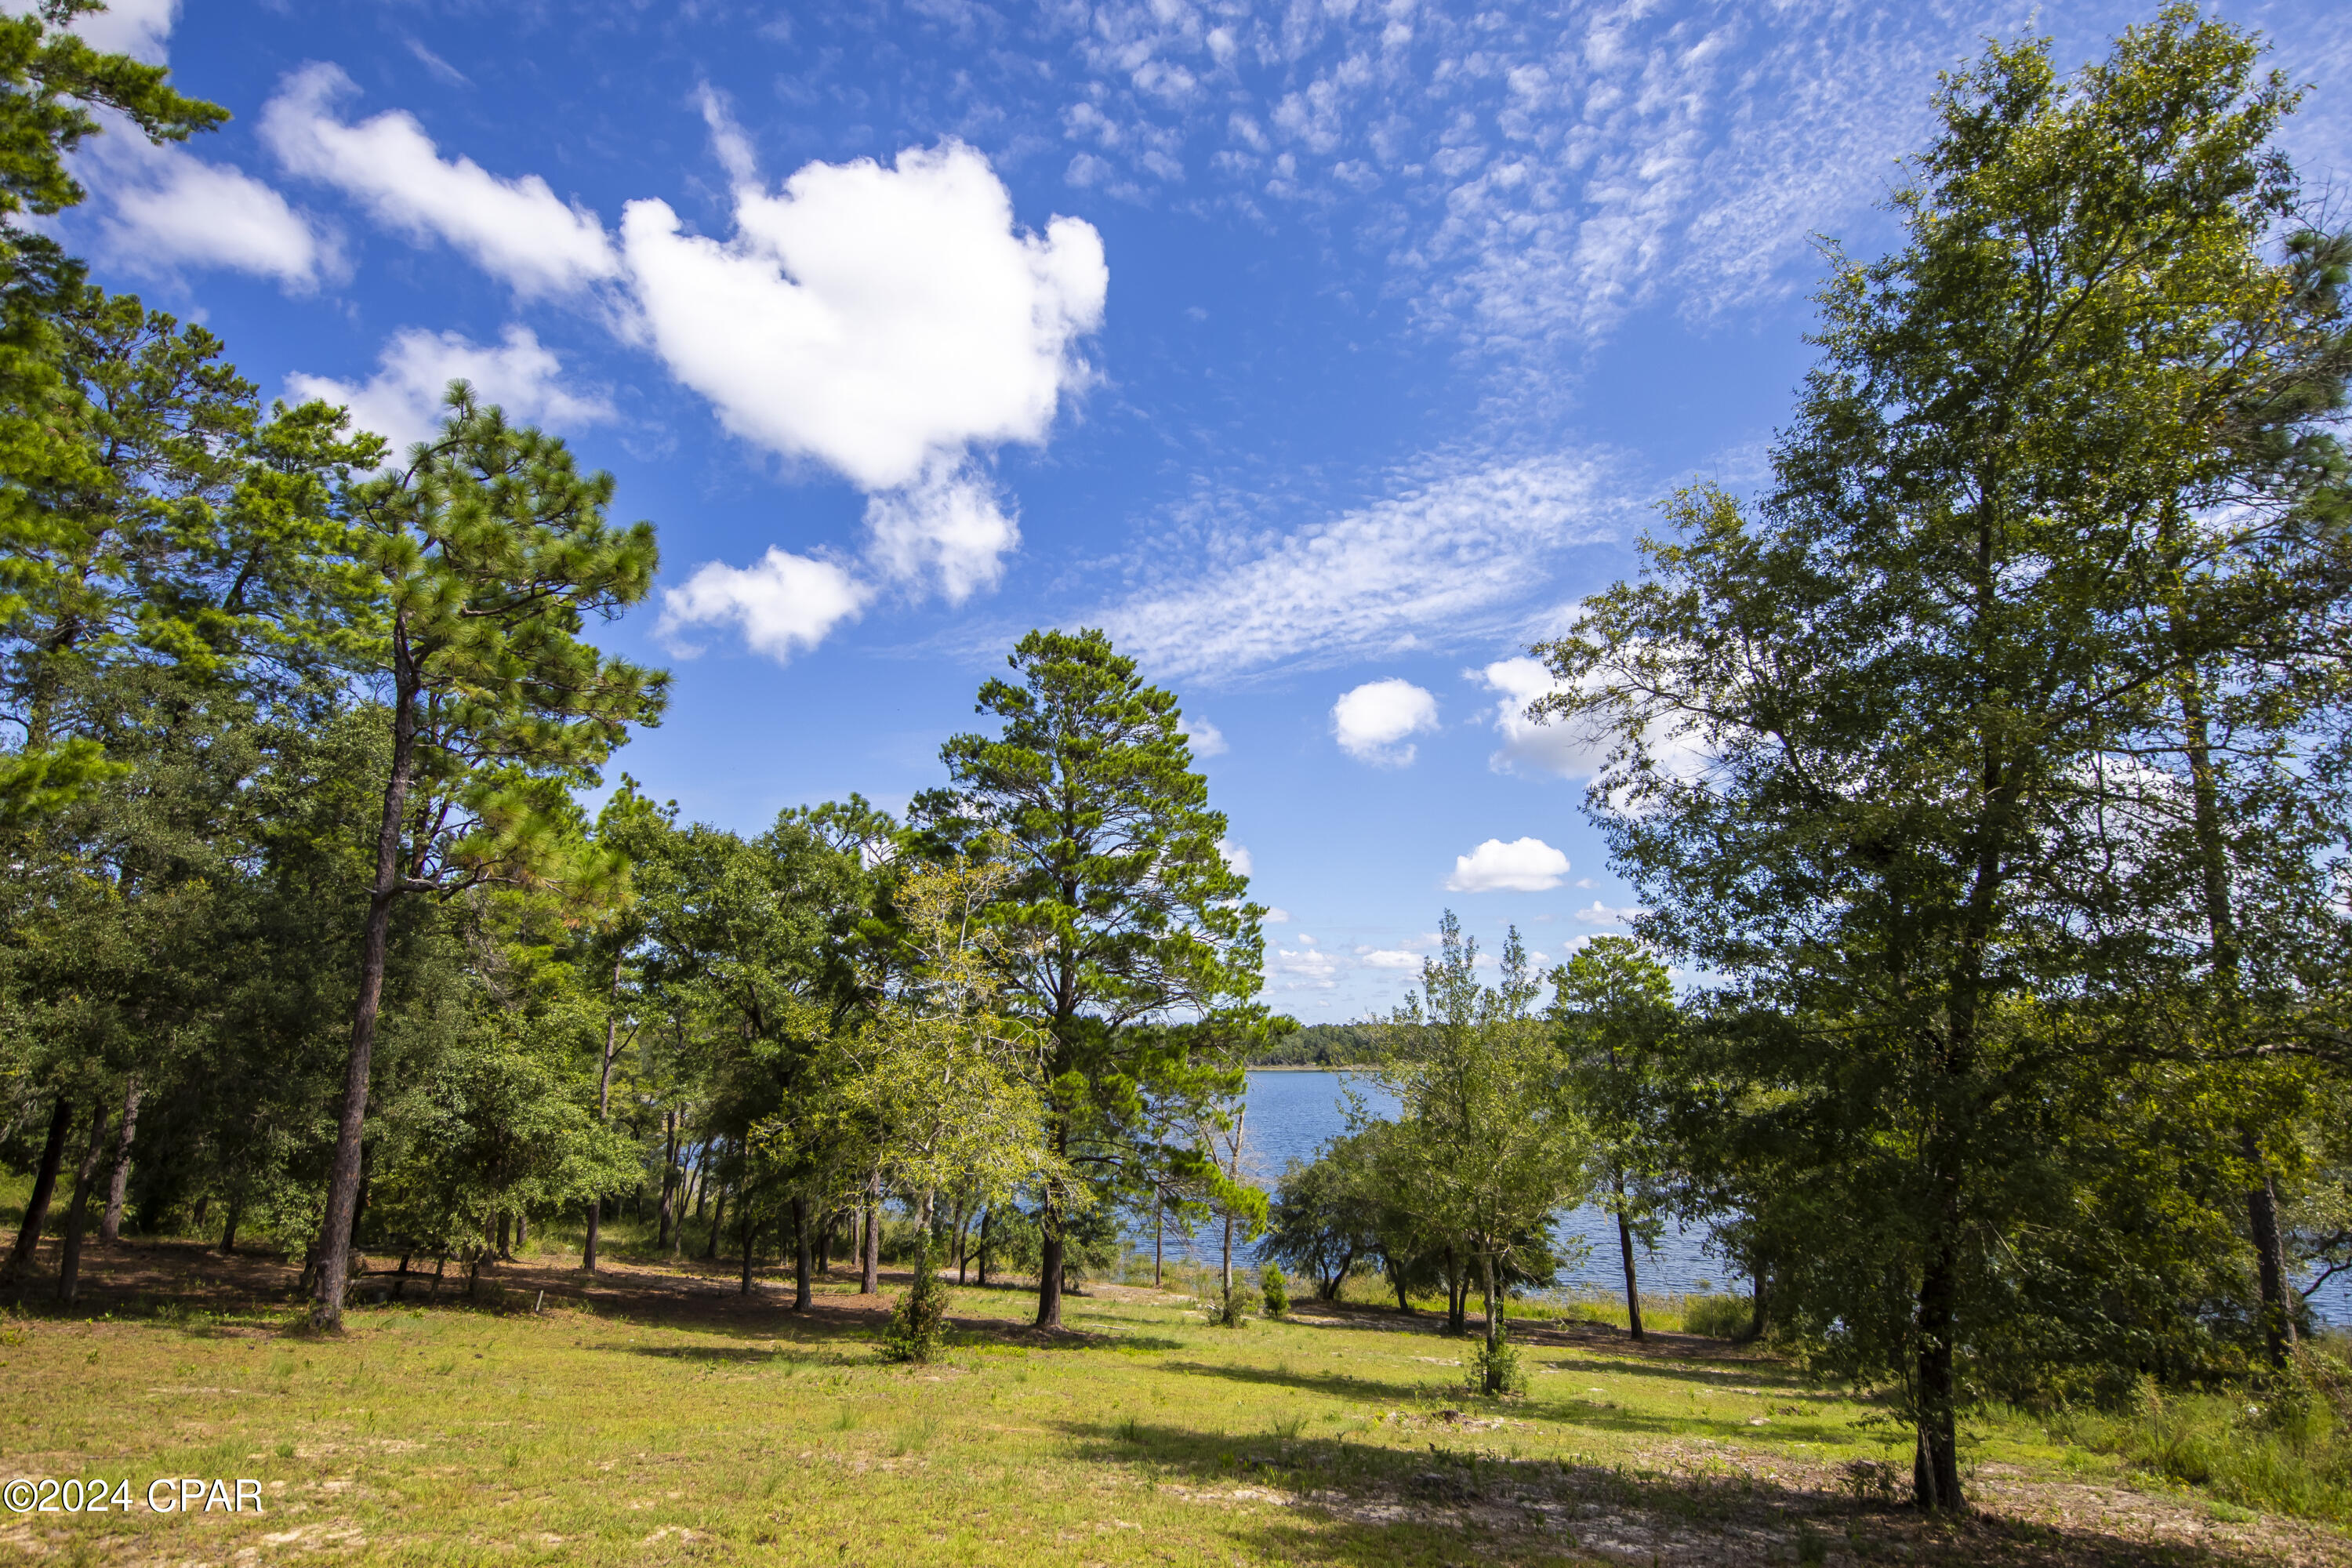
x: 655, y: 1416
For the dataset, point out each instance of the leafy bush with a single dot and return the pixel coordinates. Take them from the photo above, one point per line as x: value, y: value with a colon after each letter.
x: 1718, y: 1317
x: 919, y: 1322
x: 1497, y: 1369
x: 1278, y: 1291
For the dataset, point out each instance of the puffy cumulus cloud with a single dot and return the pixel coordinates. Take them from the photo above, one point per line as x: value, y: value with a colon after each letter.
x: 1277, y: 917
x: 1388, y: 958
x: 1553, y: 747
x: 1570, y: 747
x: 948, y: 528
x: 401, y: 401
x: 1522, y: 866
x: 167, y: 209
x: 1205, y: 739
x: 886, y: 320
x: 1601, y: 914
x: 518, y: 229
x: 1451, y: 558
x: 1237, y: 857
x: 1373, y: 722
x: 782, y: 605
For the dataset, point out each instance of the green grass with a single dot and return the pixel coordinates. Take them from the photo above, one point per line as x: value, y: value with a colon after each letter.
x: 453, y: 1434
x: 2288, y: 1452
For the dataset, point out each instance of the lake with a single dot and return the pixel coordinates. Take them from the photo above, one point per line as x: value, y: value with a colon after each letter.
x: 1292, y: 1114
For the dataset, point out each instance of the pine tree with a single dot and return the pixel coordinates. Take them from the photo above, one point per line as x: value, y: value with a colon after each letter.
x: 493, y: 549
x: 1133, y: 915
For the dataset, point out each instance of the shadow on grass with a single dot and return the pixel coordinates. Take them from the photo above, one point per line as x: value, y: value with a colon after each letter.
x: 1358, y: 1503
x: 1552, y: 1411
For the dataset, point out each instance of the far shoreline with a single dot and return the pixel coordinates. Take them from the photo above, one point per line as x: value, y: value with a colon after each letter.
x: 1310, y: 1067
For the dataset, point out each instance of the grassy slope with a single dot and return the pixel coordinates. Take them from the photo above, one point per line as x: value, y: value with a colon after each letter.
x: 676, y: 1422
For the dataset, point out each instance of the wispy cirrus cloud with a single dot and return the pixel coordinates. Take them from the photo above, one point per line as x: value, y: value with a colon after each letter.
x: 1450, y: 560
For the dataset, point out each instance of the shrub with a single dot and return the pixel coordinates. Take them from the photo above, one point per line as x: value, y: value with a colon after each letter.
x: 919, y: 1322
x: 1278, y: 1291
x: 1497, y: 1369
x: 1718, y: 1317
x: 1225, y: 1308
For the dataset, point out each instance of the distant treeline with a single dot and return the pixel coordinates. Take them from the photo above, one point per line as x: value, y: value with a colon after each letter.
x: 1333, y: 1046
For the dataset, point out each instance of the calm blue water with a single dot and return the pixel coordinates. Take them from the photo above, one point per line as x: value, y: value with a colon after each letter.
x: 1292, y: 1114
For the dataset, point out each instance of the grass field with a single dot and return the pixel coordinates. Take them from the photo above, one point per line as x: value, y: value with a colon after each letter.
x: 655, y: 1415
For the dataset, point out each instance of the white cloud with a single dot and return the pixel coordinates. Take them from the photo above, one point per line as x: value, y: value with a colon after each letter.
x: 167, y: 208
x: 887, y: 322
x: 401, y: 401
x: 1522, y: 866
x: 948, y: 528
x: 517, y: 230
x: 1447, y: 561
x: 1391, y: 958
x: 1569, y: 747
x: 1205, y: 739
x: 1304, y: 969
x: 1553, y: 747
x: 1238, y: 857
x: 140, y: 28
x: 782, y: 605
x: 1277, y: 917
x: 1371, y: 722
x: 1601, y: 914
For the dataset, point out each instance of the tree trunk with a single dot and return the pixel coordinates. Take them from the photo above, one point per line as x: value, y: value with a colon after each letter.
x: 1494, y: 1322
x: 869, y: 1276
x: 1396, y: 1278
x: 751, y: 1235
x: 45, y: 1185
x: 603, y: 1101
x: 1049, y: 1224
x: 2220, y: 897
x: 77, y: 1211
x: 109, y: 1230
x: 229, y: 1228
x: 668, y: 1219
x: 1225, y: 1265
x: 801, y: 1249
x: 718, y: 1223
x: 1625, y: 1247
x: 522, y: 1234
x: 1758, y: 1319
x: 375, y: 945
x: 1457, y: 1292
x: 1936, y: 1462
x: 987, y: 1218
x: 1158, y: 1241
x: 506, y: 1224
x: 2270, y: 1254
x: 1049, y: 1281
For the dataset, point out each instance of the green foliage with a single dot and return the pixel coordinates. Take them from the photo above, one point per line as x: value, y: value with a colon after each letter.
x: 1718, y: 1317
x: 919, y: 1322
x: 1871, y: 731
x: 2286, y: 1450
x: 1276, y: 1289
x: 1126, y: 911
x: 1495, y: 1369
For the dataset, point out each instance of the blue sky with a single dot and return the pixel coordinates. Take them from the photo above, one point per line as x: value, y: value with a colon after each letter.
x: 1324, y: 353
